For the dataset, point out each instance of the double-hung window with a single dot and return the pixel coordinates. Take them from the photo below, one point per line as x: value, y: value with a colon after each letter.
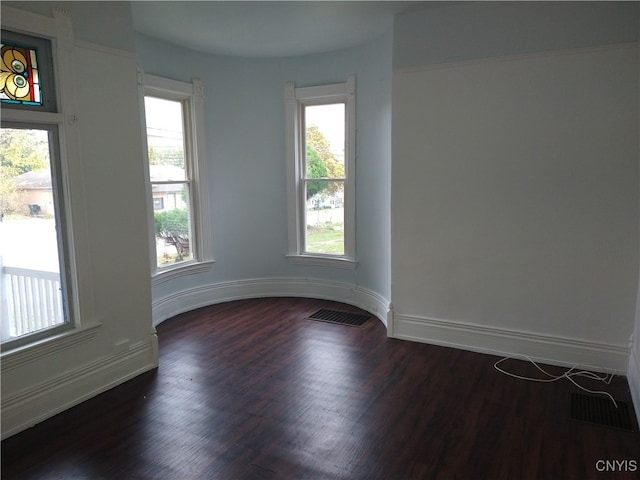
x: 320, y: 142
x: 37, y: 288
x: 176, y: 165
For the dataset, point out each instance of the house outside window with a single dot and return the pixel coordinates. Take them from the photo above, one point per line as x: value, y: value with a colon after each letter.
x: 176, y: 166
x: 320, y: 142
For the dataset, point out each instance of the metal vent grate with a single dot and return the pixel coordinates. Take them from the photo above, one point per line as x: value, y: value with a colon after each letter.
x: 602, y: 411
x: 342, y: 318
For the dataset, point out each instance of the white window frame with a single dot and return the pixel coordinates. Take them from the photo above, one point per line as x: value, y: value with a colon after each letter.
x: 296, y: 98
x: 74, y: 247
x: 191, y: 95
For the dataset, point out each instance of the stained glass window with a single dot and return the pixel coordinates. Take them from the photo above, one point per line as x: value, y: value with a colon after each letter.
x: 19, y: 78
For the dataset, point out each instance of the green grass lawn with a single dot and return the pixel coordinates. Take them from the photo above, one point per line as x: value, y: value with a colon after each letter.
x: 329, y: 240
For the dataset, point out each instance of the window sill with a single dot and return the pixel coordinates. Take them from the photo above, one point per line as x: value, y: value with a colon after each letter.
x: 34, y: 351
x: 323, y: 261
x: 179, y: 271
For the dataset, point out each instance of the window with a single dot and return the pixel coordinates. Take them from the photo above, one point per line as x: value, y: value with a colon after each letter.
x: 158, y: 204
x: 176, y: 163
x: 27, y: 80
x: 21, y: 81
x: 35, y: 286
x: 320, y: 126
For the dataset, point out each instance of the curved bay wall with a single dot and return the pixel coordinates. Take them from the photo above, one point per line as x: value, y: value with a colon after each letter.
x: 244, y: 102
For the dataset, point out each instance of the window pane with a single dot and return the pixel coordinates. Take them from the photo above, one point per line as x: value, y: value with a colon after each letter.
x: 30, y: 282
x: 165, y: 139
x: 169, y: 181
x: 324, y: 217
x: 325, y: 140
x: 173, y: 223
x: 26, y: 73
x: 19, y: 79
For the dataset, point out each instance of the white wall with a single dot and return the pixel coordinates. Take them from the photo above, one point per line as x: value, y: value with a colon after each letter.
x: 116, y: 340
x: 458, y: 31
x: 244, y: 110
x: 633, y: 372
x: 515, y: 184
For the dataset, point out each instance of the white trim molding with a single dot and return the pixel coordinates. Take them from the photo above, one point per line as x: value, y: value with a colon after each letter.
x: 27, y: 22
x: 548, y: 349
x: 203, y: 296
x: 47, y: 346
x: 191, y: 96
x: 34, y: 404
x: 516, y: 57
x: 296, y: 100
x: 69, y: 177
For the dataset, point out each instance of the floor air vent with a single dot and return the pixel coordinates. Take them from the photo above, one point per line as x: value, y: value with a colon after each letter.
x: 342, y: 318
x: 602, y: 411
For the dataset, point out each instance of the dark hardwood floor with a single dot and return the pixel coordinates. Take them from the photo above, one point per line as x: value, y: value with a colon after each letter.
x: 253, y: 390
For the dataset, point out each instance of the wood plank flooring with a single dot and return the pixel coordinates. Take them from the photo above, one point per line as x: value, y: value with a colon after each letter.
x: 253, y: 390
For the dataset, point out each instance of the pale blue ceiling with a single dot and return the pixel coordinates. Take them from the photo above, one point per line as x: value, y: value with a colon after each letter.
x: 266, y: 28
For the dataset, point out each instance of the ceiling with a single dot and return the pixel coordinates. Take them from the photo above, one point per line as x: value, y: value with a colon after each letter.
x: 266, y: 28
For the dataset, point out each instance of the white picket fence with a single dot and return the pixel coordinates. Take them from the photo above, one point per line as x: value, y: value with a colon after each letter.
x: 30, y: 300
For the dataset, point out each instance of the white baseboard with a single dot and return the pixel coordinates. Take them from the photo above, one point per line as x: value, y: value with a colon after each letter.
x: 633, y: 377
x: 503, y: 342
x: 197, y: 297
x: 37, y: 403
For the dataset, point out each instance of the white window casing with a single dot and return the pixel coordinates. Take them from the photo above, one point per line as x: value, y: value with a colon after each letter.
x: 296, y: 99
x: 191, y: 95
x: 62, y: 124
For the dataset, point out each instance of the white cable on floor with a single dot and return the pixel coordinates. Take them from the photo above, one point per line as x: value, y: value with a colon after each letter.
x: 569, y: 374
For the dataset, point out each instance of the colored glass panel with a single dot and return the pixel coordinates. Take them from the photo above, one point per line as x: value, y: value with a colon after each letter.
x: 19, y: 76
